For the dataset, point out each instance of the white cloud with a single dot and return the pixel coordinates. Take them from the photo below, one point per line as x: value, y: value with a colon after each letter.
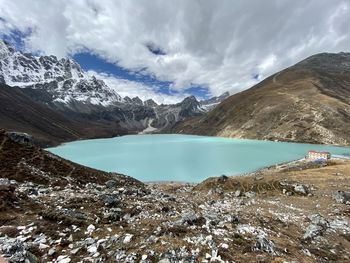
x: 216, y: 44
x: 136, y: 89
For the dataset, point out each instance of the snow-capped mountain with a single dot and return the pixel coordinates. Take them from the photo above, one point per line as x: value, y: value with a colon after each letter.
x: 62, y: 78
x: 62, y: 86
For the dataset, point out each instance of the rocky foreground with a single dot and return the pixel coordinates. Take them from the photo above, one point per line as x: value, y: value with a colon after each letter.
x: 52, y: 210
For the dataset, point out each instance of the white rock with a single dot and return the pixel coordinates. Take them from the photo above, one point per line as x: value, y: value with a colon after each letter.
x: 43, y: 246
x: 63, y: 259
x: 92, y: 249
x: 144, y: 257
x: 91, y: 228
x: 74, y: 251
x: 208, y: 238
x: 224, y: 246
x: 127, y: 238
x: 51, y: 251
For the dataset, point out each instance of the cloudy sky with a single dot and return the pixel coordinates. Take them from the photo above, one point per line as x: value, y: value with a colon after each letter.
x: 169, y: 49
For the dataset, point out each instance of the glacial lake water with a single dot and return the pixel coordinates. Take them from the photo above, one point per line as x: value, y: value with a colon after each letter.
x: 185, y: 158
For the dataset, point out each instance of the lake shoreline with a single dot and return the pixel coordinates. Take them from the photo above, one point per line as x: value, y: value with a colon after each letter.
x: 165, y: 158
x: 136, y: 134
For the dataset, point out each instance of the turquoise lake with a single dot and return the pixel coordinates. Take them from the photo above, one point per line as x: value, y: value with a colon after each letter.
x: 184, y: 158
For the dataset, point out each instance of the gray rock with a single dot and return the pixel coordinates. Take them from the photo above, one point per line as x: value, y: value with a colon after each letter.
x: 250, y: 194
x: 189, y: 218
x: 238, y: 193
x: 74, y: 214
x: 114, y: 214
x: 216, y: 190
x: 319, y: 220
x: 312, y: 231
x: 317, y: 226
x: 264, y: 244
x: 30, y: 258
x: 342, y: 197
x: 301, y: 189
x: 111, y: 184
x: 20, y: 137
x: 109, y: 199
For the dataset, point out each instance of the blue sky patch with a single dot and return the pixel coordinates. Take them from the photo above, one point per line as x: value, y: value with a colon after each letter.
x: 90, y: 61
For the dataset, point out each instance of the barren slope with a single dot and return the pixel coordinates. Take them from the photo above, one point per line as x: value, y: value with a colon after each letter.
x: 19, y: 112
x: 308, y: 102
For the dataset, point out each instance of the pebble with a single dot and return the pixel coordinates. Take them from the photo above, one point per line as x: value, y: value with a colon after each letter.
x: 63, y: 259
x: 90, y: 228
x: 127, y: 238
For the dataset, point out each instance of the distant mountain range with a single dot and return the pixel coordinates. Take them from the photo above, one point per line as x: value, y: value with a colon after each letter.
x: 308, y: 102
x: 57, y: 101
x: 59, y: 88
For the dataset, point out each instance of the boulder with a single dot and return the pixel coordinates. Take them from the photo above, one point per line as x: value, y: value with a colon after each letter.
x: 342, y: 197
x: 301, y: 189
x: 264, y: 244
x: 190, y: 218
x: 109, y: 199
x: 111, y: 184
x: 250, y: 194
x: 20, y: 137
x: 317, y: 226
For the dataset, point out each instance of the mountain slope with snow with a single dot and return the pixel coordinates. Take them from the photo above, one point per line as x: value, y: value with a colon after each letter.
x: 63, y: 79
x: 62, y: 86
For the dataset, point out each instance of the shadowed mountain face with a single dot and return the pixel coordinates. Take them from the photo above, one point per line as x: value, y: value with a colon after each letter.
x: 308, y: 102
x: 19, y: 112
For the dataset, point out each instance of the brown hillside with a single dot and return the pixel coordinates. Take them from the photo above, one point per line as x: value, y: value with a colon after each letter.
x: 18, y: 112
x: 309, y: 102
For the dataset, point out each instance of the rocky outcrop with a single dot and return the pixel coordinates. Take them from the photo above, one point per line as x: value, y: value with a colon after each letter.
x: 20, y: 137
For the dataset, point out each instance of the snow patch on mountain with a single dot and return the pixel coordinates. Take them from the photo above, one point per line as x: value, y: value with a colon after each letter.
x: 63, y: 78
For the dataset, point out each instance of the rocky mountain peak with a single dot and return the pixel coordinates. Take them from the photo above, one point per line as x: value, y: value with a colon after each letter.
x: 137, y: 101
x: 5, y: 49
x: 188, y: 106
x: 62, y: 78
x: 150, y: 103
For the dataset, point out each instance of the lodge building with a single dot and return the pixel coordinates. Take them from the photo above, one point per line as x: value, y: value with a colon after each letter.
x: 315, y: 155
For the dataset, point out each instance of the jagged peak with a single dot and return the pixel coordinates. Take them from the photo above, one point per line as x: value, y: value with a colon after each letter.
x: 5, y: 48
x: 150, y: 103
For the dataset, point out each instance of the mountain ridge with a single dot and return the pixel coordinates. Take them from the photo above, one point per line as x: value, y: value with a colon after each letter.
x: 61, y: 86
x: 308, y: 102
